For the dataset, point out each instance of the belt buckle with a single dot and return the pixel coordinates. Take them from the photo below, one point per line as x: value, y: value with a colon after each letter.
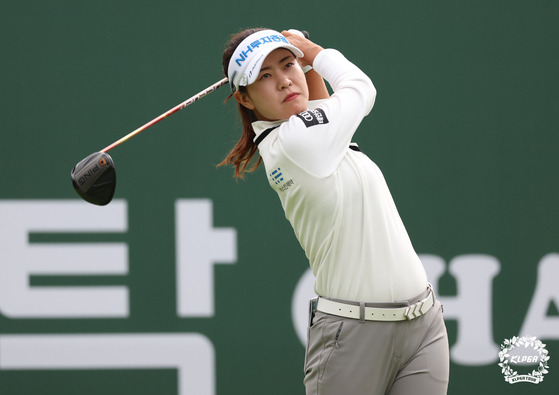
x: 416, y: 309
x: 413, y: 312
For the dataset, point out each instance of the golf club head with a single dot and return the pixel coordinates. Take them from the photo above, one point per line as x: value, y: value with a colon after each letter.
x: 94, y: 178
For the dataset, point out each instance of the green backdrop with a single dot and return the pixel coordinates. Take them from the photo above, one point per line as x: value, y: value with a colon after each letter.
x: 464, y: 129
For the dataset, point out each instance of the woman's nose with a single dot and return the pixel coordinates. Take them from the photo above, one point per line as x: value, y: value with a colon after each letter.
x: 284, y: 82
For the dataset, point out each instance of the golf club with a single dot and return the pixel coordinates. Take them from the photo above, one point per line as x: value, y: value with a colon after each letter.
x: 94, y: 177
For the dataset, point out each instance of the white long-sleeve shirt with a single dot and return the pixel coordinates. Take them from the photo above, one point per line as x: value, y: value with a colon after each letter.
x: 336, y: 198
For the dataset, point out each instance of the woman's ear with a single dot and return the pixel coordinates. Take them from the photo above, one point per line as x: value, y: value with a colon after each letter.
x: 244, y: 99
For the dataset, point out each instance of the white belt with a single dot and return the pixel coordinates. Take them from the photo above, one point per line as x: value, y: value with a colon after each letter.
x: 362, y: 312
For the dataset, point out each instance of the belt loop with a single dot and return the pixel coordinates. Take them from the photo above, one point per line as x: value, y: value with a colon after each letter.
x: 361, y: 312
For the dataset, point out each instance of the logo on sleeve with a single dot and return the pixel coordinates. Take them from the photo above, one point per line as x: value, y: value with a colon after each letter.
x: 280, y: 180
x: 313, y: 117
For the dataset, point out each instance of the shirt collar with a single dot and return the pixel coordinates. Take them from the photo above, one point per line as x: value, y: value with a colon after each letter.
x: 260, y: 126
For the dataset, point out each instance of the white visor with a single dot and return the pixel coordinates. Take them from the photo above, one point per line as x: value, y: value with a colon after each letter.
x: 247, y: 59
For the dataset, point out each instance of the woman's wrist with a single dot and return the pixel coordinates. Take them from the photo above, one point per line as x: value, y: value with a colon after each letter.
x: 310, y: 53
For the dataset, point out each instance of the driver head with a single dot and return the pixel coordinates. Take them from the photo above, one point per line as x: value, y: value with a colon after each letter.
x: 94, y: 178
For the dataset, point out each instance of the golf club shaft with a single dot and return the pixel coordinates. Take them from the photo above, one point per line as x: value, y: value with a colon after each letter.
x: 166, y: 114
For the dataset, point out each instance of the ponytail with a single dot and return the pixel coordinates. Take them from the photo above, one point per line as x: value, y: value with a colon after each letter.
x: 241, y: 156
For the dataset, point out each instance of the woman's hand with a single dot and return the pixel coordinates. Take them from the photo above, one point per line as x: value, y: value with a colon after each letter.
x: 308, y: 48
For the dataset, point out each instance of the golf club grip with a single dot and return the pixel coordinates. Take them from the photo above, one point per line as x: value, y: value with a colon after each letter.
x: 306, y: 34
x: 173, y: 110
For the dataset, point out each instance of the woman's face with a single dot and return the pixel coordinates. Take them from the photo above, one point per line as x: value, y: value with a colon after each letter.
x: 280, y: 90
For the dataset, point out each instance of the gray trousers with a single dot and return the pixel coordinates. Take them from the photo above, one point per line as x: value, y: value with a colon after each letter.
x: 348, y: 357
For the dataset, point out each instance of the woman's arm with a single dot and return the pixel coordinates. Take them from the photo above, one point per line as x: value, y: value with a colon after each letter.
x: 331, y: 126
x: 317, y: 86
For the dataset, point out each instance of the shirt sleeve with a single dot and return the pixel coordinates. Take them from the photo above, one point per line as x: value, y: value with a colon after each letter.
x: 317, y: 139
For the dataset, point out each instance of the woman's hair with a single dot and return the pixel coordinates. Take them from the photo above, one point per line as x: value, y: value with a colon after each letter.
x: 241, y: 154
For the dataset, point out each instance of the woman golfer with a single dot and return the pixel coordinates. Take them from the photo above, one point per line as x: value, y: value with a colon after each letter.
x: 376, y: 327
